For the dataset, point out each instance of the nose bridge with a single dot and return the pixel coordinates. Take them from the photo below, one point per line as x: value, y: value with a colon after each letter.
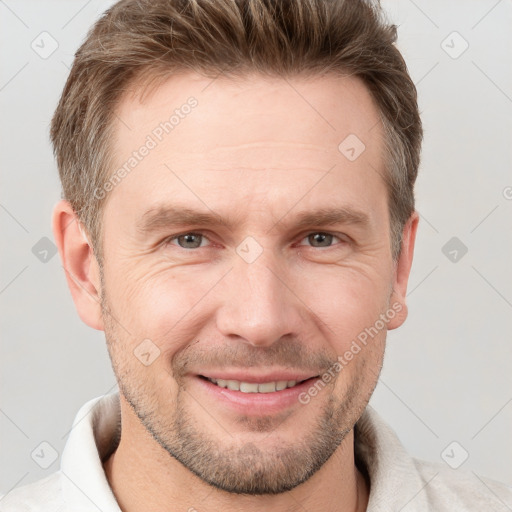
x: 257, y: 306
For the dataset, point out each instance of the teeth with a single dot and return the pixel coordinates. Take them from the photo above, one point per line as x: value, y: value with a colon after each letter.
x: 267, y: 387
x: 234, y: 385
x: 251, y: 387
x: 246, y: 387
x: 280, y: 385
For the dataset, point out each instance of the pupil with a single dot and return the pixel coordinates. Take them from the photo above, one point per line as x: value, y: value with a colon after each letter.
x: 321, y: 239
x: 190, y: 241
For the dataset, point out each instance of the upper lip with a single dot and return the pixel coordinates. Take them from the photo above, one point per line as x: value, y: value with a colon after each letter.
x: 258, y: 378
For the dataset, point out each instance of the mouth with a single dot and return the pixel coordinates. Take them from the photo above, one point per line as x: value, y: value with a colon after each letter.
x: 253, y: 393
x: 256, y: 387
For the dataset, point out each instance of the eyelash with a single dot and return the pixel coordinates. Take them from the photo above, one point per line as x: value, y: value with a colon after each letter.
x: 169, y: 240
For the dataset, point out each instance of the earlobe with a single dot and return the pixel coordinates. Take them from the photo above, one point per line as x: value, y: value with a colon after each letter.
x: 80, y: 264
x: 402, y: 272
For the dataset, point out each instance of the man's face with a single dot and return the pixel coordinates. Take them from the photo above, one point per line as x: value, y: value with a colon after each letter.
x: 247, y: 247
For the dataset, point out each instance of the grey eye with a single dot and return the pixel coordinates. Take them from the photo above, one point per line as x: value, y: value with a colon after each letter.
x: 190, y: 240
x: 320, y: 239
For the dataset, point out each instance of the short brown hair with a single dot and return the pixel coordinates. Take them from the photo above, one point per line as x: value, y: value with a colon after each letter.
x: 155, y: 38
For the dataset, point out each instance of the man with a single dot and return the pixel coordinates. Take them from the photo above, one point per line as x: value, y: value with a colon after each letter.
x: 239, y: 219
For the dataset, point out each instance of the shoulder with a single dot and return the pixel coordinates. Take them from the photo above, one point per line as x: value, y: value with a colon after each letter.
x: 40, y: 496
x: 399, y: 481
x: 449, y: 489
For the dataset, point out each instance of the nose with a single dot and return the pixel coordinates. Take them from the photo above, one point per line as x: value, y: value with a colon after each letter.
x: 259, y: 307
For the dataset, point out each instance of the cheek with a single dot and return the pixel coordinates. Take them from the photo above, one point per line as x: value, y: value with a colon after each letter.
x: 347, y: 303
x: 169, y: 306
x: 163, y: 304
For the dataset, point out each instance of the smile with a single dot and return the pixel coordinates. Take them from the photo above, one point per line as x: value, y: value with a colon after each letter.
x: 253, y: 387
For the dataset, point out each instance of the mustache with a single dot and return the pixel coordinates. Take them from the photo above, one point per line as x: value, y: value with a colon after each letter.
x: 287, y: 353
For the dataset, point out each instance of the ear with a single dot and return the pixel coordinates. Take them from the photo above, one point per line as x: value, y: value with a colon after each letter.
x: 402, y: 271
x: 80, y: 264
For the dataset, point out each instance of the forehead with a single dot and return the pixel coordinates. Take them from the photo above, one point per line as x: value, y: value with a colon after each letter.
x: 252, y: 136
x: 319, y: 110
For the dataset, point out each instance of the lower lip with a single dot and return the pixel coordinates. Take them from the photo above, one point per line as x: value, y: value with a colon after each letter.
x: 256, y: 404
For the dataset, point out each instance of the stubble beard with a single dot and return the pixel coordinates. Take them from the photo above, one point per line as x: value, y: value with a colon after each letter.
x: 240, y: 468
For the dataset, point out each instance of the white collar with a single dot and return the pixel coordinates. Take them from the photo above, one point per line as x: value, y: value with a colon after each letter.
x: 96, y: 428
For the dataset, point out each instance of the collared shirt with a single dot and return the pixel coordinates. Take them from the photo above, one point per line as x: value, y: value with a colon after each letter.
x: 398, y: 482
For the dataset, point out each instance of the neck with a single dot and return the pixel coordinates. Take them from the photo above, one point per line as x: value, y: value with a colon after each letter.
x: 143, y: 476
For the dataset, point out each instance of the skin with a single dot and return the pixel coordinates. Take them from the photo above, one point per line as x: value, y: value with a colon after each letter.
x: 257, y: 153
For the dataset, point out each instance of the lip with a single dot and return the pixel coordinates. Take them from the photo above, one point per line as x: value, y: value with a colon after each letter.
x: 253, y: 404
x: 244, y: 376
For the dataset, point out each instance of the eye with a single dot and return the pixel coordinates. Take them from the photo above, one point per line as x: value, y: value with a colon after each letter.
x: 320, y: 239
x: 188, y: 240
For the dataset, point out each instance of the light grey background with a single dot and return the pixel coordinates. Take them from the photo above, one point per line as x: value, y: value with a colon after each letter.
x: 448, y: 370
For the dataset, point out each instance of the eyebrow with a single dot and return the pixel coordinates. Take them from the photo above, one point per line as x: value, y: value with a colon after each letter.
x: 327, y: 217
x: 163, y: 217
